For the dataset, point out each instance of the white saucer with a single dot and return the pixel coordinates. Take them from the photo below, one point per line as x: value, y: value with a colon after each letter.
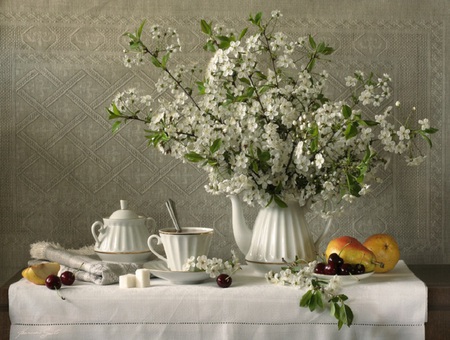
x: 159, y: 269
x: 345, y: 279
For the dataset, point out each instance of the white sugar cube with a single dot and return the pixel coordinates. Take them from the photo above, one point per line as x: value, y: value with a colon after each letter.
x: 142, y: 278
x: 127, y: 281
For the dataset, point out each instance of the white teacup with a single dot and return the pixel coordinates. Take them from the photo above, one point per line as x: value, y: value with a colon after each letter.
x: 180, y: 246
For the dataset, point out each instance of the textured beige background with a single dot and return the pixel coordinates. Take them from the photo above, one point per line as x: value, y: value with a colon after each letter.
x: 61, y: 168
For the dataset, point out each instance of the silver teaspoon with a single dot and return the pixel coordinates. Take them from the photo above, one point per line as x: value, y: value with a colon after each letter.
x: 171, y: 209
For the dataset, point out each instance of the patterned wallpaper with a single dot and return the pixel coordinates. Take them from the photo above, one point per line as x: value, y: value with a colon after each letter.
x: 62, y: 168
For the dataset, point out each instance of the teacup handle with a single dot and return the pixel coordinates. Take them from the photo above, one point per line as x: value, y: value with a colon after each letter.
x: 149, y: 242
x: 97, y: 225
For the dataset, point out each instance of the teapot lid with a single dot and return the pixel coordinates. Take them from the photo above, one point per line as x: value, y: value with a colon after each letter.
x: 124, y: 213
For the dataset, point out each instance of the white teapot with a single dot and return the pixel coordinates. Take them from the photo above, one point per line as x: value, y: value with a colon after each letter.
x: 123, y: 236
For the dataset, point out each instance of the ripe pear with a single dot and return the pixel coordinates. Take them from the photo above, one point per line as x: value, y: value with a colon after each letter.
x: 386, y: 250
x: 37, y: 273
x: 352, y: 252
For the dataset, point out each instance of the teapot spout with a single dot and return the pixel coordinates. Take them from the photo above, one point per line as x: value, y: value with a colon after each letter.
x: 242, y: 233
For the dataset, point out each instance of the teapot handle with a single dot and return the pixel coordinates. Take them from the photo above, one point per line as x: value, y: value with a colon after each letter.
x: 97, y: 225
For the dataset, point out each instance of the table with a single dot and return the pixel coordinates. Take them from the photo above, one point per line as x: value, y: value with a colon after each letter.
x: 386, y: 306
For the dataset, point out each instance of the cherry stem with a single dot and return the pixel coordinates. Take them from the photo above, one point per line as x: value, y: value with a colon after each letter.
x: 60, y: 295
x: 79, y: 268
x: 235, y: 270
x: 344, y: 248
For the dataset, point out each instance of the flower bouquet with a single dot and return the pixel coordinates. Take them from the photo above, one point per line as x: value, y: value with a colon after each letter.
x: 258, y: 120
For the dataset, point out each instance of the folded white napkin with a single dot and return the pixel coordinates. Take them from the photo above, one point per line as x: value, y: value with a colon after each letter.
x: 83, y: 262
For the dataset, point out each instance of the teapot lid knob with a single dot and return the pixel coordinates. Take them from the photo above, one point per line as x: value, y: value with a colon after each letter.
x: 123, y: 204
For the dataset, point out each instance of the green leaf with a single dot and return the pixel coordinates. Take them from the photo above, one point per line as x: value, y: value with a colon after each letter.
x: 156, y: 62
x: 346, y: 111
x: 257, y: 19
x: 311, y: 64
x: 319, y: 300
x: 156, y: 137
x: 194, y: 157
x: 212, y: 162
x: 313, y: 302
x: 224, y: 44
x: 314, y: 131
x: 328, y: 50
x: 255, y: 166
x: 244, y: 31
x: 164, y: 60
x: 139, y: 31
x: 333, y: 309
x: 426, y: 138
x: 349, y: 314
x: 367, y: 156
x: 210, y: 47
x: 206, y: 28
x: 224, y: 38
x: 353, y: 186
x: 279, y: 201
x: 343, y: 297
x: 215, y: 146
x: 201, y: 87
x: 263, y: 156
x: 245, y: 81
x: 312, y: 42
x: 306, y: 298
x: 265, y: 88
x: 368, y: 122
x: 116, y: 126
x: 430, y: 130
x: 130, y: 35
x: 342, y: 318
x: 321, y: 47
x: 351, y: 130
x: 260, y: 75
x: 115, y: 111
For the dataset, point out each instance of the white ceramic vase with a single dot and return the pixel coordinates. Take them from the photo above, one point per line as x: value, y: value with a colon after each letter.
x: 279, y: 235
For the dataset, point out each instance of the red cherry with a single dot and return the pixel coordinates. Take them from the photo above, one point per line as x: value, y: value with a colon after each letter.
x: 67, y: 278
x: 319, y: 268
x: 335, y: 259
x: 224, y: 280
x: 345, y: 269
x: 330, y: 269
x: 360, y: 269
x: 53, y: 282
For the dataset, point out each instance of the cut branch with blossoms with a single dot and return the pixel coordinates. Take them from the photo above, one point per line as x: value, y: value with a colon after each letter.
x: 213, y: 266
x: 258, y: 120
x: 320, y: 294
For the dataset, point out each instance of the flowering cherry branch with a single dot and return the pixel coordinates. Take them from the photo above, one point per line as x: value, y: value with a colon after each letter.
x: 258, y: 120
x: 320, y: 294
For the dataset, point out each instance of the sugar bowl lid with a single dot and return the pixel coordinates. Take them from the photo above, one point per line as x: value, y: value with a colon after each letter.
x: 124, y: 213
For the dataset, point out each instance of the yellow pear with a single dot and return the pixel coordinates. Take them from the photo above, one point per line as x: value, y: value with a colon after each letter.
x: 37, y: 273
x: 386, y: 250
x: 352, y: 252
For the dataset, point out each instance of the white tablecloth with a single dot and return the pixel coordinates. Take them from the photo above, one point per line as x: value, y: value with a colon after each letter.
x: 386, y: 306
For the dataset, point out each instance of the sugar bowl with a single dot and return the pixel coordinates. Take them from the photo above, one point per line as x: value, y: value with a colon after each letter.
x: 123, y: 236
